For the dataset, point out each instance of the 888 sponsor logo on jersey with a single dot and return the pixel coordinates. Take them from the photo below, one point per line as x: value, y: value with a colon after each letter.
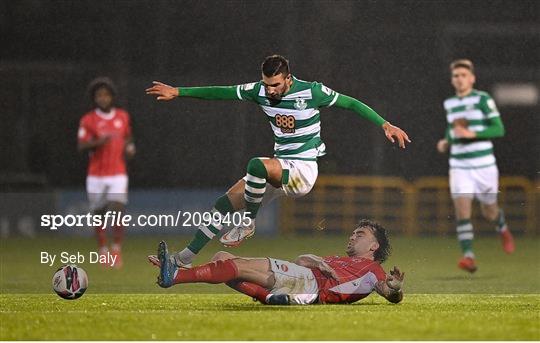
x: 286, y: 123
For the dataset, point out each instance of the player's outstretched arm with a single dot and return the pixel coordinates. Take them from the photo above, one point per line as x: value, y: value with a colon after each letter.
x: 390, y: 131
x: 166, y: 92
x: 391, y: 287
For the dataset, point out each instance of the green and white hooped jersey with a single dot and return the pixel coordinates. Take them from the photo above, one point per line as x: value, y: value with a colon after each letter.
x: 295, y: 119
x: 477, y: 108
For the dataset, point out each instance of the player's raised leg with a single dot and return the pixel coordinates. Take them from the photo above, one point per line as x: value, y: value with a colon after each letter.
x: 465, y: 234
x: 246, y: 193
x: 256, y: 270
x: 260, y: 171
x: 228, y: 203
x: 205, y: 233
x: 253, y: 290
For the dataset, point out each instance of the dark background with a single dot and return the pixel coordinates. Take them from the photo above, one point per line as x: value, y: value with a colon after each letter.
x: 393, y: 55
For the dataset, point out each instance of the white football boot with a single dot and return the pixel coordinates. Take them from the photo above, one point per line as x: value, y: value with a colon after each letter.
x: 237, y: 235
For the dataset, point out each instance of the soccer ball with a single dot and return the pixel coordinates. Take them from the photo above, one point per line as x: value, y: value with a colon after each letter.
x: 70, y: 282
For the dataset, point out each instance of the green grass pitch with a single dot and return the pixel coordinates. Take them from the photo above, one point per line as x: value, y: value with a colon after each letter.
x: 499, y: 302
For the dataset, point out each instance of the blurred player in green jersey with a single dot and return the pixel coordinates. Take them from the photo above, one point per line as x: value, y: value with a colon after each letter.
x: 473, y: 121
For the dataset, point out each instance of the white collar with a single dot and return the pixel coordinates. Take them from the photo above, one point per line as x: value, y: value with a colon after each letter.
x: 106, y: 115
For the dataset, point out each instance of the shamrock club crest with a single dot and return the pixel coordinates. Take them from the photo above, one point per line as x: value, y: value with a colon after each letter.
x: 300, y: 104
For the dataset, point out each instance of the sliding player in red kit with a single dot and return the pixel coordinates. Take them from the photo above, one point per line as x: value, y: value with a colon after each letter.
x: 309, y: 280
x: 105, y: 132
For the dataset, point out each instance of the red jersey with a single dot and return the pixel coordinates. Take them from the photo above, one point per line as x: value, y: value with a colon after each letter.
x: 107, y: 159
x: 357, y: 279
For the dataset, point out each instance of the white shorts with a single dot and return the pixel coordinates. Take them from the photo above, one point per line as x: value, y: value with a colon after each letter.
x: 296, y: 281
x: 299, y: 177
x: 104, y: 189
x: 481, y: 183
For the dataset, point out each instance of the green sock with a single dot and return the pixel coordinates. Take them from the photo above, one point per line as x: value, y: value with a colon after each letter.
x: 255, y: 186
x: 206, y: 233
x: 465, y: 236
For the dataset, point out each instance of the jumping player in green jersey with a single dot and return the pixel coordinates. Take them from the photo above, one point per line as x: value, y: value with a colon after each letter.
x: 473, y: 121
x: 292, y: 108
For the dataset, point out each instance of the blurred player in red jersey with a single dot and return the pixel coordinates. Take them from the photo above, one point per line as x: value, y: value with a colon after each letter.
x: 310, y: 279
x: 105, y: 132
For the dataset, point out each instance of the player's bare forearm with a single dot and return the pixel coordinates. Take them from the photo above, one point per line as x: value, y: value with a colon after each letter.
x: 308, y: 261
x: 317, y: 262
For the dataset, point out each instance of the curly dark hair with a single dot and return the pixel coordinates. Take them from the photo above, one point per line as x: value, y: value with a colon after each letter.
x: 101, y: 82
x: 380, y: 255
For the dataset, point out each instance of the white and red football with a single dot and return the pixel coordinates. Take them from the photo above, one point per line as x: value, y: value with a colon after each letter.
x: 70, y: 282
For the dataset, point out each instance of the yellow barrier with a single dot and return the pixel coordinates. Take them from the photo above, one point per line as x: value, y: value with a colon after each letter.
x: 424, y: 206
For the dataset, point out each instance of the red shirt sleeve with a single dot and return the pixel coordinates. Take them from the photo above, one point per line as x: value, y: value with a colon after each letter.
x: 86, y: 131
x: 379, y: 272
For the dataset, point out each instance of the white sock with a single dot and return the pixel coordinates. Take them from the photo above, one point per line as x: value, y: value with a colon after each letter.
x: 184, y: 257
